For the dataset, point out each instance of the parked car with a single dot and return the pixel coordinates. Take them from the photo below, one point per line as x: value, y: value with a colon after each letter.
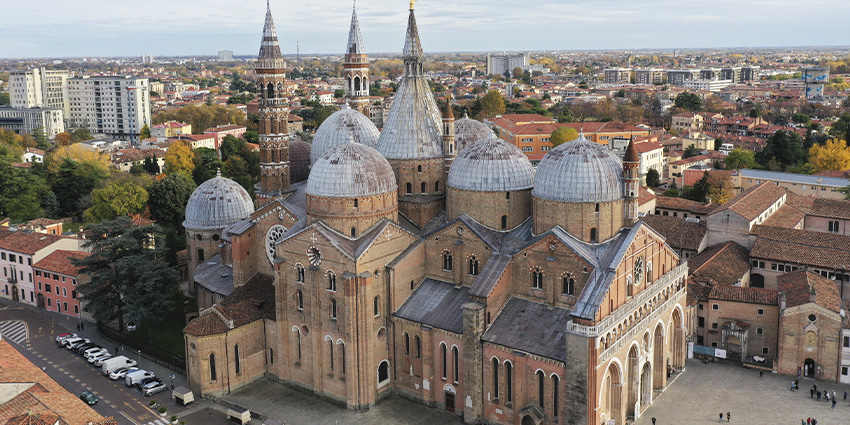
x: 94, y: 356
x: 146, y: 381
x: 121, y: 373
x: 89, y: 398
x: 78, y: 344
x: 89, y: 351
x: 62, y: 337
x: 68, y: 343
x: 98, y: 361
x: 116, y: 363
x: 134, y: 378
x: 153, y: 387
x: 81, y: 350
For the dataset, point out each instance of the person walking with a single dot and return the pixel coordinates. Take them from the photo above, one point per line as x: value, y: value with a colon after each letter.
x: 809, y: 421
x: 833, y: 394
x: 812, y: 395
x: 761, y: 373
x: 728, y: 416
x: 833, y: 403
x: 653, y: 420
x: 797, y: 383
x: 814, y: 421
x: 792, y: 385
x: 845, y: 395
x: 819, y: 394
x: 721, y: 416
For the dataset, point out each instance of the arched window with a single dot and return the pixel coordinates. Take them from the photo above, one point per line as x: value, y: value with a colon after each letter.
x: 629, y: 286
x: 376, y: 306
x: 331, y: 353
x: 569, y: 285
x: 649, y: 272
x: 555, y: 382
x: 508, y: 196
x: 456, y: 358
x: 342, y: 355
x: 298, y: 344
x: 541, y: 387
x: 353, y: 232
x: 237, y: 362
x: 200, y: 255
x: 299, y: 273
x: 593, y: 234
x: 331, y: 281
x: 473, y: 266
x: 333, y: 309
x: 596, y: 208
x: 356, y: 83
x: 409, y: 188
x: 447, y: 260
x: 417, y: 345
x: 496, y: 378
x: 383, y: 372
x: 509, y: 385
x: 299, y: 300
x: 213, y: 376
x: 537, y: 279
x: 418, y: 168
x: 437, y: 186
x: 504, y: 222
x: 270, y: 91
x: 444, y: 354
x: 423, y: 188
x: 406, y: 344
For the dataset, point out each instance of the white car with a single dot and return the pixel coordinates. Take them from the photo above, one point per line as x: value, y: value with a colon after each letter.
x: 99, y: 360
x: 121, y: 373
x: 65, y: 336
x: 92, y: 350
x: 96, y: 355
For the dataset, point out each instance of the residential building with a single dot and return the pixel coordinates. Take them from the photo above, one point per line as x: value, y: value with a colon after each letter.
x: 679, y: 77
x: 40, y: 88
x: 170, y: 129
x: 735, y: 219
x: 707, y: 85
x: 779, y: 250
x: 686, y: 122
x: 802, y: 184
x: 500, y: 64
x: 27, y: 121
x: 223, y: 131
x: 117, y: 106
x: 125, y: 159
x: 680, y: 207
x: 649, y: 76
x: 19, y: 250
x: 196, y: 141
x: 686, y: 236
x: 531, y: 133
x: 32, y: 155
x: 56, y: 278
x: 618, y: 76
x: 225, y: 55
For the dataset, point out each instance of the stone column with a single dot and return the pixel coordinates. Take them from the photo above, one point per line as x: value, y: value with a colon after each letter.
x: 680, y: 348
x: 473, y: 329
x: 633, y: 382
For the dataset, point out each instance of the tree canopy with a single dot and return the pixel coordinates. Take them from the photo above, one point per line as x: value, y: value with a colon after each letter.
x: 653, y: 179
x: 117, y: 199
x: 74, y: 181
x: 689, y: 101
x: 179, y: 159
x: 168, y: 198
x: 783, y: 149
x: 832, y: 156
x: 563, y: 135
x: 492, y: 104
x: 203, y: 116
x: 738, y: 159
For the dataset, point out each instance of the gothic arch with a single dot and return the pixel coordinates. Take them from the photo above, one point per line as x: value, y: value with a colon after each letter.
x: 610, y: 395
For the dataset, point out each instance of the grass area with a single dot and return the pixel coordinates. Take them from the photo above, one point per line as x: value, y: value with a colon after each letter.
x: 167, y: 335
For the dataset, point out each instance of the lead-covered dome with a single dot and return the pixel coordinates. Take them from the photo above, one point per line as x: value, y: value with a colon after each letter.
x: 299, y: 160
x: 491, y: 165
x: 469, y: 131
x: 338, y: 128
x: 579, y: 171
x: 216, y: 204
x: 350, y: 171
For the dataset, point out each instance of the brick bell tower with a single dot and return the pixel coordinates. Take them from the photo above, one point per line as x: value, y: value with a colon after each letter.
x: 631, y: 180
x: 356, y: 69
x: 273, y: 115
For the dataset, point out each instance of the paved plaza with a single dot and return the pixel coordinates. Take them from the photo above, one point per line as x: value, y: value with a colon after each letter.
x: 702, y: 391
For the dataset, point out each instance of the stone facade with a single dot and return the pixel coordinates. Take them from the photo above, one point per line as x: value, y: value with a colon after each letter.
x: 805, y: 342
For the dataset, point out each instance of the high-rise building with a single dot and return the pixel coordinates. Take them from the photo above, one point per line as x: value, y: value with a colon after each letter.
x: 27, y: 120
x: 815, y: 78
x: 618, y: 76
x: 40, y: 88
x: 750, y: 73
x: 225, y: 55
x: 117, y: 106
x: 500, y: 64
x: 677, y: 77
x: 273, y: 113
x: 356, y: 65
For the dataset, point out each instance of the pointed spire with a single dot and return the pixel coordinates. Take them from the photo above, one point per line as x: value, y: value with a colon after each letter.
x: 269, y: 48
x: 448, y: 114
x: 355, y: 39
x: 412, y: 46
x: 631, y: 152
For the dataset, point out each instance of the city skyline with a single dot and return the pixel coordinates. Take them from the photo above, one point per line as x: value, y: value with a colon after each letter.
x: 132, y: 28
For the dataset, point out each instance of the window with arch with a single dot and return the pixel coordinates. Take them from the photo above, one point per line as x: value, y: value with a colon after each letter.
x: 406, y: 343
x: 299, y: 300
x: 299, y: 273
x: 376, y: 306
x: 356, y: 83
x: 331, y: 281
x: 541, y: 388
x: 342, y: 357
x: 473, y: 266
x: 333, y: 309
x: 200, y: 255
x: 417, y: 344
x: 569, y: 285
x: 509, y: 385
x: 496, y: 378
x: 409, y: 188
x: 437, y: 186
x: 456, y: 359
x: 629, y: 286
x: 444, y: 357
x: 649, y: 277
x: 593, y: 236
x: 447, y: 260
x: 213, y: 375
x: 298, y: 344
x: 383, y: 372
x: 555, y: 382
x: 418, y: 168
x: 237, y: 362
x: 422, y: 187
x: 331, y: 353
x: 504, y: 222
x: 353, y: 232
x: 537, y: 279
x: 270, y: 91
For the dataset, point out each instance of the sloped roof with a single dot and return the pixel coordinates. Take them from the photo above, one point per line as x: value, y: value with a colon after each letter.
x: 531, y: 327
x: 803, y: 247
x: 753, y: 201
x: 438, y: 304
x: 61, y: 261
x: 723, y: 264
x: 355, y: 39
x: 821, y: 207
x: 800, y: 285
x: 744, y: 294
x: 681, y: 204
x: 26, y: 241
x: 679, y: 232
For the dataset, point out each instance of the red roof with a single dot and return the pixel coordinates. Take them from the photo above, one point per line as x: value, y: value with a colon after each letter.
x: 26, y: 242
x: 60, y: 262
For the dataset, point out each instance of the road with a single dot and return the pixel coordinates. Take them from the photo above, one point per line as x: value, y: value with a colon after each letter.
x: 33, y: 334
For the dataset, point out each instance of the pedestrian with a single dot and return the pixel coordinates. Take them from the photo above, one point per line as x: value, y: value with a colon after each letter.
x: 833, y: 394
x: 814, y: 421
x: 797, y: 383
x: 819, y: 393
x: 761, y: 374
x: 728, y: 416
x: 845, y: 395
x: 809, y: 421
x: 833, y: 403
x: 721, y: 416
x: 792, y: 385
x: 116, y: 350
x: 826, y: 396
x: 653, y: 420
x: 812, y: 393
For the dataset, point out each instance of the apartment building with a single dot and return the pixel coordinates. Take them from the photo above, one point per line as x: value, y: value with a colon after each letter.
x: 117, y: 106
x: 51, y: 121
x: 40, y: 88
x: 56, y: 279
x: 618, y: 76
x: 19, y: 250
x: 802, y: 184
x: 500, y: 64
x: 649, y: 76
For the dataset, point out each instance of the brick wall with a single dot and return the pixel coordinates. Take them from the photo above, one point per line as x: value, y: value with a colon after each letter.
x: 488, y: 208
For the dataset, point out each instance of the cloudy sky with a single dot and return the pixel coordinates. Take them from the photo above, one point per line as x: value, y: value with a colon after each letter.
x: 62, y: 28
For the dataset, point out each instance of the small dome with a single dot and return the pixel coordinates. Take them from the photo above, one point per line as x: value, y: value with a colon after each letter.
x: 491, y: 165
x: 580, y: 171
x: 216, y: 204
x: 469, y: 131
x: 299, y: 160
x: 339, y: 127
x: 349, y: 171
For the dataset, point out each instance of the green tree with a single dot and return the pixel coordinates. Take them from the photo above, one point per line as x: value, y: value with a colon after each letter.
x: 145, y: 132
x: 699, y: 191
x: 128, y: 279
x: 21, y: 193
x: 151, y: 165
x: 689, y: 101
x: 563, y: 135
x: 5, y: 99
x: 801, y: 119
x: 73, y: 181
x: 718, y: 143
x: 204, y: 116
x: 40, y: 138
x: 673, y: 190
x: 841, y: 128
x: 168, y: 198
x: 653, y: 179
x: 207, y: 164
x: 231, y: 146
x: 739, y: 159
x: 492, y: 104
x: 117, y: 199
x: 785, y: 148
x: 691, y: 151
x: 80, y: 135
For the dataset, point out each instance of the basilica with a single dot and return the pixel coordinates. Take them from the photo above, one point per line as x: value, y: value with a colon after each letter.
x: 430, y: 260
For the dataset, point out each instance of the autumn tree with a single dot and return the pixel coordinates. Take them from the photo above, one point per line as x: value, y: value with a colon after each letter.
x: 203, y: 116
x: 492, y: 104
x: 832, y: 156
x: 563, y: 135
x: 63, y: 139
x: 80, y: 154
x: 179, y: 159
x: 517, y: 72
x: 117, y: 199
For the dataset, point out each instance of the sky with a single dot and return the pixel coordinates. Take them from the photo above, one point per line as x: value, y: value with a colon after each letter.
x: 85, y: 28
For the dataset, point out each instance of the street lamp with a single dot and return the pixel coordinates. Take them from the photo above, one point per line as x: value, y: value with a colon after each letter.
x: 140, y: 358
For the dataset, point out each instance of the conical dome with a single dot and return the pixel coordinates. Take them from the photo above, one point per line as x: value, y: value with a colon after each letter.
x: 349, y: 171
x: 580, y: 171
x: 216, y: 204
x: 339, y: 128
x: 491, y: 165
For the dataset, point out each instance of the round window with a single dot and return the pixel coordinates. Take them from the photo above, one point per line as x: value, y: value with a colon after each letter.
x: 216, y: 237
x: 192, y: 346
x: 199, y: 237
x: 813, y: 318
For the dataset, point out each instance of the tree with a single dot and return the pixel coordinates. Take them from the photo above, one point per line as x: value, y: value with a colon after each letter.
x: 168, y: 199
x: 653, y: 179
x: 73, y: 181
x: 784, y: 148
x: 127, y: 276
x: 739, y: 159
x: 720, y: 190
x: 63, y: 139
x: 179, y: 159
x: 517, y: 72
x: 21, y: 193
x: 673, y: 190
x: 563, y: 135
x: 691, y: 151
x: 231, y: 146
x: 492, y: 104
x: 81, y: 135
x: 40, y: 139
x: 117, y: 199
x: 699, y: 191
x: 80, y: 154
x: 718, y: 143
x: 5, y: 99
x: 151, y: 165
x: 841, y: 128
x: 145, y: 132
x: 689, y: 101
x: 834, y: 156
x: 801, y: 119
x: 205, y: 116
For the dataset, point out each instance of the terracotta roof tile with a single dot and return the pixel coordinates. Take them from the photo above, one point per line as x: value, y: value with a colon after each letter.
x: 60, y: 261
x: 723, y: 264
x: 645, y: 195
x: 801, y: 247
x: 678, y: 232
x: 26, y: 242
x: 801, y: 285
x: 681, y: 204
x: 754, y: 200
x: 786, y: 216
x: 250, y: 302
x: 821, y: 207
x: 744, y: 294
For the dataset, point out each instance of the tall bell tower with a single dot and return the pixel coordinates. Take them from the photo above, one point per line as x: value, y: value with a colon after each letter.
x: 356, y: 68
x: 273, y: 115
x: 631, y: 180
